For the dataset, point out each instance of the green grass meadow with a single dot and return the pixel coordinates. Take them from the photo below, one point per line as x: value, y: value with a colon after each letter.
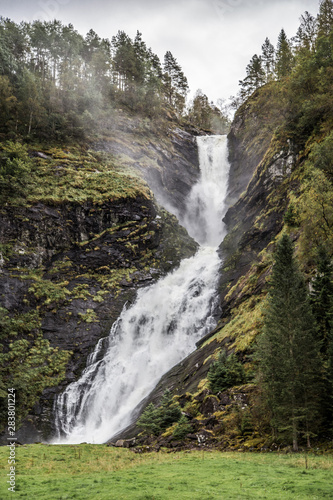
x: 97, y: 472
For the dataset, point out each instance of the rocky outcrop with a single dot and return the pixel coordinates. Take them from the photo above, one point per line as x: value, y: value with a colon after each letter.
x: 166, y: 157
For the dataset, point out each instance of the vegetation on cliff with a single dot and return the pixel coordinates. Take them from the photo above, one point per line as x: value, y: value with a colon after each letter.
x: 55, y: 83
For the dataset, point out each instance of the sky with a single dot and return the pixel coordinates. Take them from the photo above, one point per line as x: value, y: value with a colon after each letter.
x: 213, y: 40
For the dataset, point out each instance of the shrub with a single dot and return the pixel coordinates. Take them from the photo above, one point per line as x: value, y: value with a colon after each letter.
x: 182, y: 429
x: 225, y: 373
x: 156, y: 420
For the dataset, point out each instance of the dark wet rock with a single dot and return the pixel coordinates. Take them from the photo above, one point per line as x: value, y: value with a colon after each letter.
x: 167, y: 160
x: 209, y: 405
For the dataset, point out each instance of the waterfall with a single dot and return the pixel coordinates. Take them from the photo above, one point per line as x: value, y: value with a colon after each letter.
x: 160, y: 328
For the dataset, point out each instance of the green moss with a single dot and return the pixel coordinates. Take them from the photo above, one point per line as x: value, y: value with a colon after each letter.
x: 89, y: 317
x: 48, y: 290
x: 246, y: 322
x: 77, y: 176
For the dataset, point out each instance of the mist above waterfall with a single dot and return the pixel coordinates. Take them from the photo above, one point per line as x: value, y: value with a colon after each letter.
x: 160, y: 328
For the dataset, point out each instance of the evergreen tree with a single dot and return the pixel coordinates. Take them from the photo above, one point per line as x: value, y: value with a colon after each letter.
x: 226, y: 372
x: 182, y: 429
x: 288, y: 350
x: 306, y: 33
x: 284, y: 56
x: 200, y: 110
x: 175, y: 83
x: 155, y: 420
x: 8, y: 104
x: 322, y: 298
x: 322, y: 307
x: 268, y: 58
x: 330, y: 380
x: 325, y: 17
x: 255, y: 77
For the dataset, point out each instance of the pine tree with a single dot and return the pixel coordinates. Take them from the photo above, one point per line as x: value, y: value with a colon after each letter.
x: 155, y: 420
x: 322, y: 298
x: 306, y: 33
x: 225, y: 373
x: 284, y: 56
x: 288, y: 350
x: 174, y: 82
x: 322, y: 307
x: 268, y: 58
x: 255, y: 77
x: 325, y: 17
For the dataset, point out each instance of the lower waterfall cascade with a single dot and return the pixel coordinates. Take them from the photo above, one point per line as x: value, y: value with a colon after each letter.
x: 161, y: 327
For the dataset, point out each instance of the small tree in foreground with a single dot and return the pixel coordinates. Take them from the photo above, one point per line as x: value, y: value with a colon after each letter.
x: 226, y: 372
x: 288, y: 350
x: 155, y: 420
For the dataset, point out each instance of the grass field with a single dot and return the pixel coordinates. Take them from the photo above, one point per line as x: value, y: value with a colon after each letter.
x: 97, y: 472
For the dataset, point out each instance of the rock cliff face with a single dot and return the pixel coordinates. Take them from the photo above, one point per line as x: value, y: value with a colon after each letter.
x: 78, y: 264
x: 166, y: 157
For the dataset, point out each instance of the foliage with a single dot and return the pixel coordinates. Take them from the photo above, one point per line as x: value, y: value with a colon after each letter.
x: 321, y: 297
x: 245, y: 323
x: 291, y: 216
x: 284, y: 56
x: 72, y: 175
x: 255, y: 77
x: 206, y: 115
x: 288, y: 350
x: 15, y: 167
x: 182, y: 428
x: 154, y: 420
x: 322, y: 156
x: 55, y: 83
x: 268, y: 58
x: 226, y: 372
x: 175, y: 83
x: 28, y: 363
x: 302, y: 65
x: 316, y: 214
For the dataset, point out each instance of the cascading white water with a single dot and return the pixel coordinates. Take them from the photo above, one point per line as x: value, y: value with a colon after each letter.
x: 206, y: 202
x: 160, y: 328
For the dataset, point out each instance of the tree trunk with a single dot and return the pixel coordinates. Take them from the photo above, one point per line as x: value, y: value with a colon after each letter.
x: 30, y: 123
x: 295, y: 443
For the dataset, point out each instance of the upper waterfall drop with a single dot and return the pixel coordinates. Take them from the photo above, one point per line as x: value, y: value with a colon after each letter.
x: 160, y: 328
x: 206, y: 201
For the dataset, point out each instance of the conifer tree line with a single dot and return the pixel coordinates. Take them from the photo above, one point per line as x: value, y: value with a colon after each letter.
x: 277, y: 63
x: 53, y: 80
x: 295, y: 350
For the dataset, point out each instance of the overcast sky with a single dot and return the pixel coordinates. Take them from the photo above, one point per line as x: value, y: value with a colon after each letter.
x: 213, y: 40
